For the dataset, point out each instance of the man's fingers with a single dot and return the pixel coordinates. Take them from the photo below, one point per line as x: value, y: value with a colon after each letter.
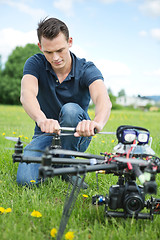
x: 85, y: 128
x: 50, y: 126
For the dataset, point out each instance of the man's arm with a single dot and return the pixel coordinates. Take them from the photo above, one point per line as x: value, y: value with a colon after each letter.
x: 100, y: 98
x: 29, y: 91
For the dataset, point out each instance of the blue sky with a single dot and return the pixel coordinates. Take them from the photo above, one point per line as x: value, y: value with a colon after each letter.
x: 122, y: 37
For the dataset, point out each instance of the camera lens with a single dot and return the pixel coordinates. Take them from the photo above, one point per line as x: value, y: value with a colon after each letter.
x: 133, y: 204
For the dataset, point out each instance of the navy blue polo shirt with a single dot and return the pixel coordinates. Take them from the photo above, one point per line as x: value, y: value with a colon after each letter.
x: 52, y: 95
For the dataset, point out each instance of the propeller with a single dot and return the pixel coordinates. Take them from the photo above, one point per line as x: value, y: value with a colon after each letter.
x: 15, y: 139
x: 58, y: 151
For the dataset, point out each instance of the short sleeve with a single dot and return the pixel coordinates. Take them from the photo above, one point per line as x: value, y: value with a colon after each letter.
x: 32, y: 66
x: 91, y: 73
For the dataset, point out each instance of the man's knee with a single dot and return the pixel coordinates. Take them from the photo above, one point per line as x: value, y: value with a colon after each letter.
x: 71, y: 114
x: 71, y: 108
x: 27, y: 174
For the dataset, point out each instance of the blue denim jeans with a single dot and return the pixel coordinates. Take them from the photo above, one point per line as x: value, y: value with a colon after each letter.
x: 70, y: 115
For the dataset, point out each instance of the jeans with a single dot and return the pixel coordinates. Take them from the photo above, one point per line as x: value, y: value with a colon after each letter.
x: 70, y: 115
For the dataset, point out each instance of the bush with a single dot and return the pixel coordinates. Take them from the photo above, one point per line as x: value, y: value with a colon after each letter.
x: 10, y: 91
x: 10, y: 76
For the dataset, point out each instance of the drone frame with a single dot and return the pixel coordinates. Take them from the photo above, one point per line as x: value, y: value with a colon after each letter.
x: 118, y: 165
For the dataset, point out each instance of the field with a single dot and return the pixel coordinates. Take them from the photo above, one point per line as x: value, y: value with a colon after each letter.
x: 86, y: 221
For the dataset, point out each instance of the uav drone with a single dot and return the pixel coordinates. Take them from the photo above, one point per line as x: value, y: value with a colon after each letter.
x: 132, y: 159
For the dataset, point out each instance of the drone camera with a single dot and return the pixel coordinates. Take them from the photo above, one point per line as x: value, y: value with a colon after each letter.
x: 128, y: 196
x: 133, y: 203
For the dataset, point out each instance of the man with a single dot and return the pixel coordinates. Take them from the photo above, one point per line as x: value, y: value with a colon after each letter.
x: 55, y: 91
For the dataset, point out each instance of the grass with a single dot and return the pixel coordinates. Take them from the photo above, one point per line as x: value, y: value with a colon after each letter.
x: 86, y: 221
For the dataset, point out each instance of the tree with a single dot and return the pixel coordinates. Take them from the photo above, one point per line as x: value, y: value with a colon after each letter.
x: 9, y: 91
x: 110, y: 91
x: 10, y: 77
x: 0, y: 66
x: 15, y: 63
x: 113, y: 100
x: 0, y: 63
x: 121, y: 93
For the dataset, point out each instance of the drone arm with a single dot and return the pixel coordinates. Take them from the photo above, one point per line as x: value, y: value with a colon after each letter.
x: 76, y: 154
x: 75, y: 161
x: 21, y: 159
x: 47, y: 160
x: 45, y: 171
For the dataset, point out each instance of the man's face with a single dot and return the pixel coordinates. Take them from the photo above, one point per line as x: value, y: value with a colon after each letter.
x: 56, y: 50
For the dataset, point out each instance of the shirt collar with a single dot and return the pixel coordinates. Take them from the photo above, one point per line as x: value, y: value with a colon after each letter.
x: 72, y: 72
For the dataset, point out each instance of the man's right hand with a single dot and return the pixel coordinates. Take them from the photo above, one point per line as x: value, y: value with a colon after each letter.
x: 49, y: 126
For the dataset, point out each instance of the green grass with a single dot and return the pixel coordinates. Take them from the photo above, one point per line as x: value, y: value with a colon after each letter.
x: 86, y: 221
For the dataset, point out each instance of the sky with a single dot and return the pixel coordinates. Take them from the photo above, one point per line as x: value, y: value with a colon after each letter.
x: 121, y: 37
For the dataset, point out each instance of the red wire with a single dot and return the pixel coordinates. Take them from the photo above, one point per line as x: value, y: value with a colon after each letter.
x: 129, y: 151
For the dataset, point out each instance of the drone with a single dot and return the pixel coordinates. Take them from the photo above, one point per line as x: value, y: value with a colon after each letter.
x: 132, y: 159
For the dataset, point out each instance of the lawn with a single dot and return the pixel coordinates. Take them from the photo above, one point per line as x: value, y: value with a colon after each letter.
x: 86, y: 221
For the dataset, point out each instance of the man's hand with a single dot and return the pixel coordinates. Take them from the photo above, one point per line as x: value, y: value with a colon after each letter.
x: 49, y: 126
x: 86, y: 128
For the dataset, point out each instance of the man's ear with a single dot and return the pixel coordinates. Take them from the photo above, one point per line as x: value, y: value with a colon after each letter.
x: 70, y: 42
x: 40, y: 47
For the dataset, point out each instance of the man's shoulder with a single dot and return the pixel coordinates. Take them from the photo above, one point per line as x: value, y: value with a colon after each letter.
x: 34, y: 65
x: 85, y: 71
x: 80, y: 61
x: 81, y: 64
x: 37, y: 58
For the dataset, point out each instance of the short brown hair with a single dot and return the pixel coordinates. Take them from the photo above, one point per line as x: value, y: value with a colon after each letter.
x: 50, y: 28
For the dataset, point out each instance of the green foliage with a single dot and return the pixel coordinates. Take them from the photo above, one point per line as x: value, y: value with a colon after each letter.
x: 115, y: 106
x: 0, y: 64
x: 112, y: 98
x: 148, y: 106
x: 9, y: 90
x: 0, y: 68
x: 86, y: 221
x: 121, y: 93
x: 10, y: 76
x: 15, y: 62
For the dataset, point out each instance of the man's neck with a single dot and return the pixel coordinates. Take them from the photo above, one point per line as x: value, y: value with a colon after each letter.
x: 63, y: 72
